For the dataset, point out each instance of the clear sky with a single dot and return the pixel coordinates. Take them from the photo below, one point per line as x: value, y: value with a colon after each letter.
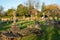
x: 13, y: 3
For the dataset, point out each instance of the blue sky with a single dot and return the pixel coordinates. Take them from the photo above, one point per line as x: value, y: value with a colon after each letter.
x: 13, y: 3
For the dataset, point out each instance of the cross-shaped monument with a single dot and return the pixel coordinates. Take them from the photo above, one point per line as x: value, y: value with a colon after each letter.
x: 14, y: 28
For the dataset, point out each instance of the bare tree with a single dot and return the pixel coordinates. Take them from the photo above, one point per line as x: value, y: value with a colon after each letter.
x: 1, y: 10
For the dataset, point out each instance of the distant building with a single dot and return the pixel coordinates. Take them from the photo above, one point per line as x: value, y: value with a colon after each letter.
x: 34, y: 13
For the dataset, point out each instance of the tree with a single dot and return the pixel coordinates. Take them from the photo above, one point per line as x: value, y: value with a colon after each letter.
x: 1, y: 10
x: 33, y: 4
x: 22, y: 10
x: 43, y: 6
x: 9, y: 12
x: 53, y: 10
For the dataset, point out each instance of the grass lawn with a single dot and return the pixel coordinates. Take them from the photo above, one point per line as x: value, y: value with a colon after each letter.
x: 52, y: 33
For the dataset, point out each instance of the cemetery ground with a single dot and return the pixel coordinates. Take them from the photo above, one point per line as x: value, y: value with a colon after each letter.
x: 51, y: 32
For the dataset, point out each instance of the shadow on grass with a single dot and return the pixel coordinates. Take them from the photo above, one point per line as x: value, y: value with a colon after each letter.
x: 56, y: 35
x: 43, y: 36
x: 50, y: 34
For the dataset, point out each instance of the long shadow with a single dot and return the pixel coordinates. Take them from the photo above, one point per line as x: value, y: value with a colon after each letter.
x: 43, y: 36
x: 56, y: 35
x: 49, y: 34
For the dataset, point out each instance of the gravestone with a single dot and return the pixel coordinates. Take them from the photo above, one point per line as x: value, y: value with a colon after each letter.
x: 7, y: 22
x: 37, y: 24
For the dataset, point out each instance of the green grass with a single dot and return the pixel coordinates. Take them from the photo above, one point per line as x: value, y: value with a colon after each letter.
x: 30, y: 37
x: 51, y: 32
x: 4, y: 25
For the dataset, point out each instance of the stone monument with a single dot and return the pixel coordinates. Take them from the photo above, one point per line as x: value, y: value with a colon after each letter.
x: 14, y: 28
x: 13, y: 33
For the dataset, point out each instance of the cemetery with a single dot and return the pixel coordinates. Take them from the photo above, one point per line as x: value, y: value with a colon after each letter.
x: 30, y: 21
